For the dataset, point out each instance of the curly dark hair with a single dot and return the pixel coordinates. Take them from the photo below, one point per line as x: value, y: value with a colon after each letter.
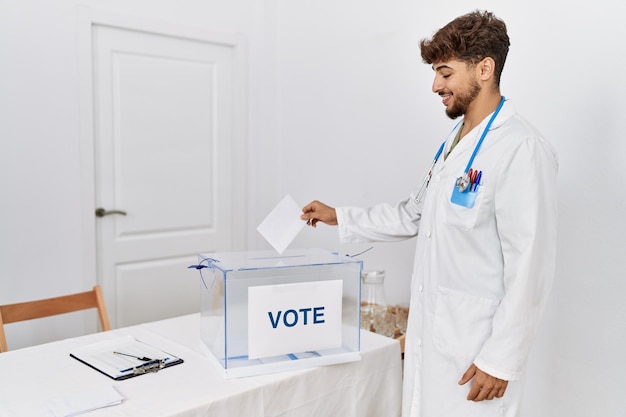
x: 469, y: 38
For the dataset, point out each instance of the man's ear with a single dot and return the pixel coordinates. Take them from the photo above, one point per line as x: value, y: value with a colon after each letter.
x: 486, y: 68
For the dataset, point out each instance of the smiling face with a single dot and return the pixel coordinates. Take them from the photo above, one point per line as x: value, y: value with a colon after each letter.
x: 456, y: 84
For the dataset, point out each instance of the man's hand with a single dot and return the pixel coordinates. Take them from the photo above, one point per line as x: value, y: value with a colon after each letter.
x: 484, y: 386
x: 319, y: 212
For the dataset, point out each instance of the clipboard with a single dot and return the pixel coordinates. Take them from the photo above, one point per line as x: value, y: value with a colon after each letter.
x: 124, y: 358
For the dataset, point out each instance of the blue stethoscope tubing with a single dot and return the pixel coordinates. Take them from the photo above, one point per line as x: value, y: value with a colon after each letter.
x: 465, y: 177
x: 482, y: 137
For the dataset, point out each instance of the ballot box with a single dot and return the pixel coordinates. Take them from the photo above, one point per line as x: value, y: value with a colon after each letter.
x: 264, y: 312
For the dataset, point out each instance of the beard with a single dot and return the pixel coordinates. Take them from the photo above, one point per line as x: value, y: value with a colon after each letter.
x: 463, y: 100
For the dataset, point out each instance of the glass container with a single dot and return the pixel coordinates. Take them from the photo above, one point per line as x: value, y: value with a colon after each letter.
x: 376, y: 316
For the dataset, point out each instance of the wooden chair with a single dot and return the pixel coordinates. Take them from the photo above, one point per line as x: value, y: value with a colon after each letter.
x: 11, y: 313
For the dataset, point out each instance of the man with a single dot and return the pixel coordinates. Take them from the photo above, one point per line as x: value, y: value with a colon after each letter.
x: 485, y: 222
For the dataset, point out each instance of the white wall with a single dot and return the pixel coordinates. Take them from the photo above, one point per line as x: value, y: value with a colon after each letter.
x: 341, y: 111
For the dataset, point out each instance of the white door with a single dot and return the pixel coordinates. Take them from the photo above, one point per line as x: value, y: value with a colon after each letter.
x: 166, y: 157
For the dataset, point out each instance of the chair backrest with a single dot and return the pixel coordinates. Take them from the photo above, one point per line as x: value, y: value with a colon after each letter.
x: 11, y: 313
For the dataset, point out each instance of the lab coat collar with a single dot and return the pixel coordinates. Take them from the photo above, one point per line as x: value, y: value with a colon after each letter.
x: 471, y: 138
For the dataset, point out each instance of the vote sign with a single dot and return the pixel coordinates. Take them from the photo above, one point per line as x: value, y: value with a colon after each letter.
x: 292, y: 318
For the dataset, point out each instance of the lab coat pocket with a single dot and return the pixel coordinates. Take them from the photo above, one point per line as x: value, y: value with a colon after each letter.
x: 462, y: 208
x: 462, y: 324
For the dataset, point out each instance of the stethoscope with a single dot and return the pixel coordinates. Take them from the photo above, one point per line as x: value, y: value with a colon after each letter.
x: 462, y: 182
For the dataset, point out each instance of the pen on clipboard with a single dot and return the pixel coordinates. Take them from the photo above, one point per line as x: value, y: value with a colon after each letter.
x: 145, y: 359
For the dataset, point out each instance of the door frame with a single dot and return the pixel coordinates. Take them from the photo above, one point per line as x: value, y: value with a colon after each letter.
x: 89, y: 17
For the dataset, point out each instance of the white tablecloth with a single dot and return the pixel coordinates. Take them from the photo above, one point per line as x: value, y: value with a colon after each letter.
x: 31, y: 377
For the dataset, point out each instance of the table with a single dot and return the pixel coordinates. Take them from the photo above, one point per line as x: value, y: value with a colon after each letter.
x: 30, y: 377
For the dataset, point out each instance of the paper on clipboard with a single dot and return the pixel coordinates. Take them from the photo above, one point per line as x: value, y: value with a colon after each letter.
x: 283, y: 224
x: 120, y: 358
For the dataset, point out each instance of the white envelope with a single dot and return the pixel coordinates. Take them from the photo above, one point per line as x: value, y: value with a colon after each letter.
x: 283, y: 224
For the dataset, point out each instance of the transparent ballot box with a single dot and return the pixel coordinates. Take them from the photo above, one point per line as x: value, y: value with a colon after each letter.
x: 263, y: 312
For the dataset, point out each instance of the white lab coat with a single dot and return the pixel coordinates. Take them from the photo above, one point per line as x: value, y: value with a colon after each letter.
x: 481, y: 275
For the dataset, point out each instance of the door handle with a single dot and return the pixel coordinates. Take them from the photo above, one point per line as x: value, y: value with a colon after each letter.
x: 100, y: 212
